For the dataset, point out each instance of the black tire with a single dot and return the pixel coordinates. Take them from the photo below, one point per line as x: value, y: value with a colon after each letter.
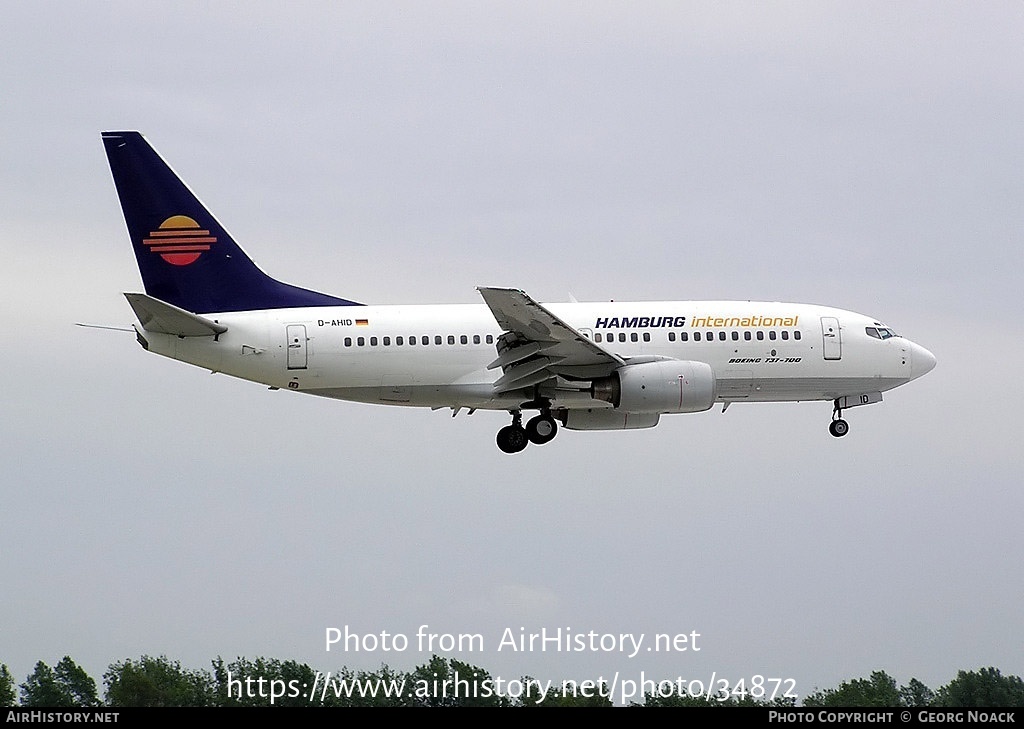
x: 512, y: 439
x: 839, y: 428
x: 541, y: 429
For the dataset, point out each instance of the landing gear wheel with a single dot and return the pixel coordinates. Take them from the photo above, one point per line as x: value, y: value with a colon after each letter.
x: 541, y: 429
x: 839, y: 428
x: 512, y: 438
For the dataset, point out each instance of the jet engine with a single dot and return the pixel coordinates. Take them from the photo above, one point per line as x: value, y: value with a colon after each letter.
x: 664, y: 386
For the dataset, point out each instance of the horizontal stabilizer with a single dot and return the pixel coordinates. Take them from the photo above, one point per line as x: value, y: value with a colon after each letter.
x: 159, y: 316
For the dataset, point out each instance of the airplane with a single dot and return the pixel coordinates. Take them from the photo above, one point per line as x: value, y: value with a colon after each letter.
x: 582, y: 366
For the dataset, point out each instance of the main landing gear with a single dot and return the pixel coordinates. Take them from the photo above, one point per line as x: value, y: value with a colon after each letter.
x: 838, y: 427
x: 540, y: 429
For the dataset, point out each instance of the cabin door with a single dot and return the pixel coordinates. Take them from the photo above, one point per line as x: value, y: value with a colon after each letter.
x: 832, y: 339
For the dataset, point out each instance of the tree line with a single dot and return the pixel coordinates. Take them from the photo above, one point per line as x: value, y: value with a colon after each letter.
x: 160, y: 681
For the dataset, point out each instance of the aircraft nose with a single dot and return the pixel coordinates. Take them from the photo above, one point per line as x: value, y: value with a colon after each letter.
x: 921, y: 361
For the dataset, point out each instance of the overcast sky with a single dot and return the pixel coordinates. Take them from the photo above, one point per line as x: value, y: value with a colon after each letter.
x: 863, y: 155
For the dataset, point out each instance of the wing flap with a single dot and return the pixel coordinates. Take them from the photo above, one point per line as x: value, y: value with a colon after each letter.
x: 527, y: 381
x: 512, y: 376
x: 516, y: 354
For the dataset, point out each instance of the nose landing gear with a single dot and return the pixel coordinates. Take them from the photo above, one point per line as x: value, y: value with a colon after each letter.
x: 838, y: 427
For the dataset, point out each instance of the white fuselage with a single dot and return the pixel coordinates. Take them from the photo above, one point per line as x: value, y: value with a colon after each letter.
x: 758, y: 351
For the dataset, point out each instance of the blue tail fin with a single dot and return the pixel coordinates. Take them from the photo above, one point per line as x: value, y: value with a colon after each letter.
x: 185, y: 257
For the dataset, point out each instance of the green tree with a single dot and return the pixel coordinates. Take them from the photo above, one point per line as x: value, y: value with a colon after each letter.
x: 878, y: 690
x: 265, y: 682
x: 426, y: 682
x: 384, y: 687
x: 565, y: 695
x: 986, y: 687
x: 157, y: 682
x: 657, y: 700
x: 7, y: 694
x: 675, y: 699
x: 65, y: 685
x: 41, y: 689
x: 448, y: 682
x: 916, y: 693
x: 78, y: 684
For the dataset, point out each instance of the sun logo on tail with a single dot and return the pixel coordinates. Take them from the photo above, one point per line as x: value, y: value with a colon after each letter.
x: 179, y: 240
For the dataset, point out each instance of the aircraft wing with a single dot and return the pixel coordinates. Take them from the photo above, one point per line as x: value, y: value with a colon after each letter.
x: 538, y: 345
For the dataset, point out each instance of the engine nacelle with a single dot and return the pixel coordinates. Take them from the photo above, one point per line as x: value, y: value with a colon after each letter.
x: 607, y: 420
x: 665, y: 386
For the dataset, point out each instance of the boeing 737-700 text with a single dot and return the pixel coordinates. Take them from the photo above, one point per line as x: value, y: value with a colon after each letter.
x: 587, y: 366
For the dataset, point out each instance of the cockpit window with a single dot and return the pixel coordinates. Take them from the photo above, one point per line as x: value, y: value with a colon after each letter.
x: 880, y: 332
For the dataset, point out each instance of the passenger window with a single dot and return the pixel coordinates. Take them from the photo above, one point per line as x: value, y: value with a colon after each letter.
x: 361, y: 341
x: 684, y: 336
x: 464, y: 339
x: 437, y: 339
x: 746, y: 336
x: 622, y: 336
x: 647, y: 336
x: 785, y: 335
x: 425, y: 340
x: 633, y: 337
x: 348, y: 341
x: 696, y: 336
x: 760, y: 336
x: 412, y: 341
x: 771, y: 335
x: 735, y: 336
x: 671, y: 336
x: 796, y: 334
x: 721, y: 336
x: 399, y: 341
x: 476, y: 339
x: 387, y: 341
x: 490, y: 339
